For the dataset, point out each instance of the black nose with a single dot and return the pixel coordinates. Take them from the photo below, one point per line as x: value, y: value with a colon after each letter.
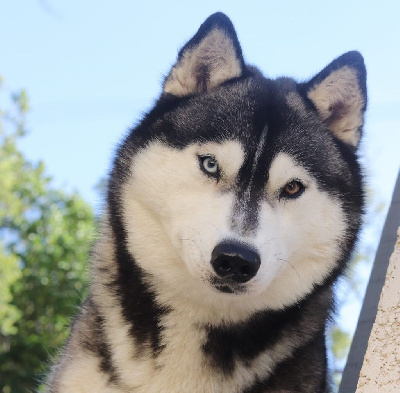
x: 235, y: 261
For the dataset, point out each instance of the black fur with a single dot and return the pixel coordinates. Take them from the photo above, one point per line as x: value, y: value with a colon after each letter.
x: 138, y: 303
x: 97, y: 343
x: 293, y: 325
x: 286, y: 377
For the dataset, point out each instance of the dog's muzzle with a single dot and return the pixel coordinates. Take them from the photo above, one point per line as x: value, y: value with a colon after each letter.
x: 235, y: 262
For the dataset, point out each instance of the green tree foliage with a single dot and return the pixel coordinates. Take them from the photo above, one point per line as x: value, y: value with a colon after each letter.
x: 45, y: 235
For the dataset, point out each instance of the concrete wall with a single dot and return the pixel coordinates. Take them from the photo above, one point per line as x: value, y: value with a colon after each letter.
x: 370, y: 306
x: 380, y: 372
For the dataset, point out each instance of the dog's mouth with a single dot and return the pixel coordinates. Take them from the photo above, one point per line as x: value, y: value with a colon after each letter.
x: 227, y: 286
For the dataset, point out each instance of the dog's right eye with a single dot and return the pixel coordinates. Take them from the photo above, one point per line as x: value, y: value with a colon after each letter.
x: 209, y: 165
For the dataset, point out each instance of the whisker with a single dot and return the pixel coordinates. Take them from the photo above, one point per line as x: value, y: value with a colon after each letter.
x: 284, y: 260
x: 270, y: 240
x: 190, y: 240
x: 193, y: 229
x: 210, y: 223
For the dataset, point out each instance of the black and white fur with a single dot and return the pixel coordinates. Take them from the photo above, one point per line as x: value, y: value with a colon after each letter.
x: 226, y: 160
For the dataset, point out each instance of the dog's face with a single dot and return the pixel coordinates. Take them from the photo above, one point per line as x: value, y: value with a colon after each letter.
x: 243, y: 186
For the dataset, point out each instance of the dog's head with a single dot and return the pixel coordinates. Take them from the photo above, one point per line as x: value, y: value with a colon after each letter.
x: 238, y: 185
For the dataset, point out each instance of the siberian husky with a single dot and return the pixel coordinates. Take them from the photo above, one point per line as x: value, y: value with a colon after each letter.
x: 232, y: 209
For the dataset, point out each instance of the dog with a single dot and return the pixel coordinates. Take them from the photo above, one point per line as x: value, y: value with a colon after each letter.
x: 232, y: 209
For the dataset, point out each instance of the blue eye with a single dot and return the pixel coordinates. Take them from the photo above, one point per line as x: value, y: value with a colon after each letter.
x: 209, y: 165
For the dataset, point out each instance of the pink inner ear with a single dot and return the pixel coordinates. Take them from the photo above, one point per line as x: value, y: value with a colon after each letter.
x: 202, y: 76
x: 209, y: 63
x: 340, y: 103
x: 338, y: 110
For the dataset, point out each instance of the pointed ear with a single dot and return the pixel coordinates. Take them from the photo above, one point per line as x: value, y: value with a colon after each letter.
x: 210, y: 58
x: 339, y: 94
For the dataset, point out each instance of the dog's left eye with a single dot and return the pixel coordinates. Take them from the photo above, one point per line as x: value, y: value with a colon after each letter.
x: 209, y: 165
x: 293, y: 189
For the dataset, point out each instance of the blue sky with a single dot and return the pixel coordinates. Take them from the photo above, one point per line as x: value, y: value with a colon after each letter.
x: 91, y: 69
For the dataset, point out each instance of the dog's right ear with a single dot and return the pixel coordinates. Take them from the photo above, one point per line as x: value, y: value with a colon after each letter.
x: 210, y: 58
x: 339, y: 93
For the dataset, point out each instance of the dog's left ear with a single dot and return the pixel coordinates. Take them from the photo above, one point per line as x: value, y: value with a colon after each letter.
x: 339, y: 94
x: 210, y: 58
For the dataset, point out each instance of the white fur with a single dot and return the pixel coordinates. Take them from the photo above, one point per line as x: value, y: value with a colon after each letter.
x: 173, y: 209
x: 169, y: 199
x: 178, y: 212
x: 81, y: 375
x: 78, y: 371
x: 179, y: 368
x: 175, y: 215
x: 303, y: 234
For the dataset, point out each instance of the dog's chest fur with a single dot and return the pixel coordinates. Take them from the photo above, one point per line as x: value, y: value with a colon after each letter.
x: 192, y: 357
x: 184, y: 352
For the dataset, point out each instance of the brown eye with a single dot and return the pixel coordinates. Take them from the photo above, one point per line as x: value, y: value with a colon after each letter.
x: 292, y: 189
